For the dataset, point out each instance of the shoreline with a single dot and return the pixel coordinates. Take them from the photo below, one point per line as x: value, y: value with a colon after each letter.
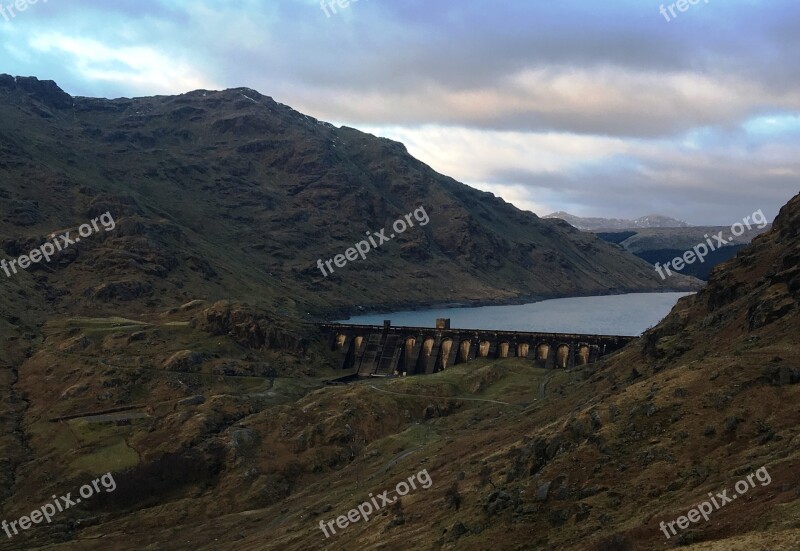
x: 387, y: 308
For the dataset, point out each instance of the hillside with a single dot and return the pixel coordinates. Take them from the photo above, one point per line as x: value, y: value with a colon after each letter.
x: 231, y: 195
x: 220, y: 453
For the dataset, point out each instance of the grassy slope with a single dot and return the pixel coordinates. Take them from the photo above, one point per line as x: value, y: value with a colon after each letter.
x: 694, y: 406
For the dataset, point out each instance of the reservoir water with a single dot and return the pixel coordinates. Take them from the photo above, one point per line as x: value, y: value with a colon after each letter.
x: 629, y: 314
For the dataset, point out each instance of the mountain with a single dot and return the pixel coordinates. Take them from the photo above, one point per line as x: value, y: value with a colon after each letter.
x: 220, y: 195
x: 660, y: 239
x: 662, y: 245
x: 600, y: 224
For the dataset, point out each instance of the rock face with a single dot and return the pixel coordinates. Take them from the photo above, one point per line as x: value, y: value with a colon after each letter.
x: 782, y: 375
x: 249, y: 328
x: 122, y: 290
x: 184, y: 361
x: 45, y: 91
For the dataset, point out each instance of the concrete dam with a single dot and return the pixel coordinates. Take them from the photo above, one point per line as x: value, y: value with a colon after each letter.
x: 382, y: 351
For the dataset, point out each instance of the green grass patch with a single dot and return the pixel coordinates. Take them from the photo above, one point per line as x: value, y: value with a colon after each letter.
x: 115, y: 457
x: 94, y: 433
x: 57, y: 435
x: 415, y: 436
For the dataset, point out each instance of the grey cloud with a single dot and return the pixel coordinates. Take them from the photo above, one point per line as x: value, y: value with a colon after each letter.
x: 706, y: 195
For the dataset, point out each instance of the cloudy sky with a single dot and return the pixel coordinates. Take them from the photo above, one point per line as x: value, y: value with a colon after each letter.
x: 596, y: 108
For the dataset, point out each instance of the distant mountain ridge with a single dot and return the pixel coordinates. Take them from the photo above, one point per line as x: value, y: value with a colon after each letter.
x: 661, y: 245
x: 595, y: 224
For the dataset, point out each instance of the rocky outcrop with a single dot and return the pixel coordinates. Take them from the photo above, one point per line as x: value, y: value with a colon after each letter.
x: 46, y: 91
x: 249, y: 328
x: 121, y: 290
x: 184, y: 361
